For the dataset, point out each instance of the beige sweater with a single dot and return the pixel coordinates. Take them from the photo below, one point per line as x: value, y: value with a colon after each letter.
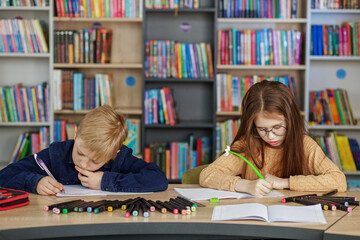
x: 224, y: 171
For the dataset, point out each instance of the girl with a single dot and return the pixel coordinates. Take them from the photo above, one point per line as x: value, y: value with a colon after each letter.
x: 272, y: 137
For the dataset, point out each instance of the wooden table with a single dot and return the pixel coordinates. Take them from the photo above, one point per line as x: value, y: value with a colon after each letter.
x: 32, y: 221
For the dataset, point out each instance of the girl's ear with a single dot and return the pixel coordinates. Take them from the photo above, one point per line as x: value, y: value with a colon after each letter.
x: 118, y: 151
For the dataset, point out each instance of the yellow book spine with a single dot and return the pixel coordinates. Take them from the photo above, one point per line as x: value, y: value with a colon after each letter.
x: 36, y: 108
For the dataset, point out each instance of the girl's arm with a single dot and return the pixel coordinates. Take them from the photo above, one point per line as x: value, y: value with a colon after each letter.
x: 324, y: 176
x: 131, y: 174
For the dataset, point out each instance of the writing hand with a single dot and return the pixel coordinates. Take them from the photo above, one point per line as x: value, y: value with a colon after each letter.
x: 278, y: 183
x: 48, y: 186
x: 90, y: 179
x: 258, y: 187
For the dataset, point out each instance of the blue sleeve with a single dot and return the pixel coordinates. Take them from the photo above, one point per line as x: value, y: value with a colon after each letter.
x: 24, y: 174
x: 131, y: 174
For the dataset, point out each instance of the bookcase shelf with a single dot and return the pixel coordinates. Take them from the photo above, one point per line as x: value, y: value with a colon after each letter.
x: 25, y: 55
x: 334, y: 127
x: 258, y: 67
x: 24, y: 8
x: 182, y: 10
x: 335, y: 58
x: 130, y: 111
x: 78, y: 19
x: 25, y: 124
x: 99, y: 65
x: 334, y: 11
x: 262, y: 20
x: 178, y: 80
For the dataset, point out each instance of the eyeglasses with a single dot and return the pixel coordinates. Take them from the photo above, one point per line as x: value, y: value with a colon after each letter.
x: 277, y: 130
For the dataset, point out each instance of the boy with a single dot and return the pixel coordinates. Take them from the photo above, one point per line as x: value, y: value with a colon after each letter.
x: 95, y: 159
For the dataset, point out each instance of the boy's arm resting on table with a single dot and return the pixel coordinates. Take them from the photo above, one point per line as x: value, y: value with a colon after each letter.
x: 22, y: 175
x: 325, y: 175
x: 222, y: 173
x: 131, y: 174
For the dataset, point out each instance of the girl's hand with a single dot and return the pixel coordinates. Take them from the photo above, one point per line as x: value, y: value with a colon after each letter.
x: 90, y: 179
x: 48, y: 186
x: 258, y: 187
x: 278, y: 183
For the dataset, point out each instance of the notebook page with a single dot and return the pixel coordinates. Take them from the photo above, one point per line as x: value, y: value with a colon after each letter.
x: 240, y: 211
x: 305, y: 214
x: 79, y: 190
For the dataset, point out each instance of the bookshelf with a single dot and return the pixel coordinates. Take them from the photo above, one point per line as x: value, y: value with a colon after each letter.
x: 194, y: 98
x: 126, y: 61
x: 324, y: 73
x: 29, y: 69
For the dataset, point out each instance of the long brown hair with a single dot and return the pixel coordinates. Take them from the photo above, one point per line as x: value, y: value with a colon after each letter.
x: 272, y: 97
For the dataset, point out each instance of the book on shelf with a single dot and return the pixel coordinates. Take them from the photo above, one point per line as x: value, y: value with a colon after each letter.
x: 172, y: 4
x: 231, y: 89
x: 99, y: 9
x: 225, y: 134
x: 29, y: 143
x: 335, y: 40
x: 133, y: 139
x: 272, y: 213
x: 28, y: 3
x: 63, y: 130
x: 24, y: 104
x: 170, y: 59
x: 23, y: 36
x: 330, y: 107
x: 75, y: 91
x: 335, y: 4
x: 260, y: 47
x: 174, y: 158
x: 283, y: 9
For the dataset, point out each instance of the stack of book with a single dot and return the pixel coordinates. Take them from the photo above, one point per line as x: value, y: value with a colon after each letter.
x: 76, y: 92
x: 170, y: 59
x: 83, y: 46
x: 330, y: 107
x: 175, y: 158
x: 258, y: 9
x: 336, y: 40
x: 259, y: 47
x: 160, y: 106
x: 343, y: 151
x: 232, y: 89
x: 24, y: 104
x: 29, y: 143
x: 23, y: 36
x: 99, y: 9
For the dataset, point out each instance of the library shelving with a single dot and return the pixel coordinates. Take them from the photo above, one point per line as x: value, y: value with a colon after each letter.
x: 194, y: 98
x: 333, y: 72
x: 28, y: 69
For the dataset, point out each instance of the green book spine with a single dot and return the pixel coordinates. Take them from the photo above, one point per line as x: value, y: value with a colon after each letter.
x: 339, y: 107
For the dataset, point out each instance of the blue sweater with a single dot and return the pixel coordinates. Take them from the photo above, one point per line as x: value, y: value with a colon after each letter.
x: 125, y: 173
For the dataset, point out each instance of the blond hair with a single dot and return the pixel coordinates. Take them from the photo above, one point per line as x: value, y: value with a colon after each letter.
x: 103, y: 132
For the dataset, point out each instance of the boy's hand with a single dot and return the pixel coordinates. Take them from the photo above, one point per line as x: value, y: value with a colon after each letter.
x: 278, y: 183
x: 90, y: 179
x: 258, y: 187
x: 48, y: 186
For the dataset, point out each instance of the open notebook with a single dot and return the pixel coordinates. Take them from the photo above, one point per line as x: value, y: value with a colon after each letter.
x: 198, y: 194
x: 273, y: 213
x: 79, y: 190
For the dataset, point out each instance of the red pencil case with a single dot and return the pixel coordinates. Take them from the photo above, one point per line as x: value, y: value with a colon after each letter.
x: 11, y: 198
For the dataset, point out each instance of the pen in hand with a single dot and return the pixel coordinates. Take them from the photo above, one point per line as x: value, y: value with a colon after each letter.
x: 42, y: 165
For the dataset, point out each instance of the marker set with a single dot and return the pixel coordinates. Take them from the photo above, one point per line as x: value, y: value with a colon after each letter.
x: 132, y: 206
x: 327, y: 202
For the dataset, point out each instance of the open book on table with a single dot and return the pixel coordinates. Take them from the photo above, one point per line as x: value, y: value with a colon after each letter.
x: 273, y: 213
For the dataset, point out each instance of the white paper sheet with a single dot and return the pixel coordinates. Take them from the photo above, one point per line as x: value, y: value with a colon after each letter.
x: 79, y: 190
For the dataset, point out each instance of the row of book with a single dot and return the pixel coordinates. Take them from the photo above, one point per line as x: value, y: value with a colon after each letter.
x: 24, y: 3
x: 225, y: 134
x: 74, y: 91
x: 83, y: 46
x: 259, y: 47
x: 29, y: 143
x: 343, y: 151
x: 330, y: 107
x: 99, y: 8
x: 231, y: 89
x: 336, y: 40
x: 174, y: 158
x: 335, y: 4
x: 165, y: 59
x: 258, y: 9
x: 172, y: 4
x: 64, y: 130
x: 159, y: 106
x: 23, y: 36
x: 24, y: 104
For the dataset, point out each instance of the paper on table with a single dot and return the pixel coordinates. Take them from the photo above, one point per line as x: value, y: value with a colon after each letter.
x: 273, y: 213
x: 198, y: 194
x: 79, y: 190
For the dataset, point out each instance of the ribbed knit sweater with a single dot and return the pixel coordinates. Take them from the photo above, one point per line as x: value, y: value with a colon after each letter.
x: 225, y: 171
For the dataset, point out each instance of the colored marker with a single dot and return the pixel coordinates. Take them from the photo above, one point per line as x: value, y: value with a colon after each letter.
x: 346, y: 203
x: 70, y: 208
x: 95, y: 205
x: 306, y: 202
x: 191, y: 203
x: 129, y: 210
x: 324, y: 204
x: 150, y: 207
x: 144, y: 209
x: 340, y: 206
x: 332, y: 192
x: 168, y: 207
x: 76, y: 208
x: 135, y: 212
x: 157, y: 206
x: 84, y: 207
x: 60, y: 207
x: 291, y: 199
x: 340, y: 198
x: 187, y: 206
x: 50, y: 207
x: 181, y: 208
x: 125, y: 206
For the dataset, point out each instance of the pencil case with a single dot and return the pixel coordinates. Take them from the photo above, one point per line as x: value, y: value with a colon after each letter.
x: 11, y: 198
